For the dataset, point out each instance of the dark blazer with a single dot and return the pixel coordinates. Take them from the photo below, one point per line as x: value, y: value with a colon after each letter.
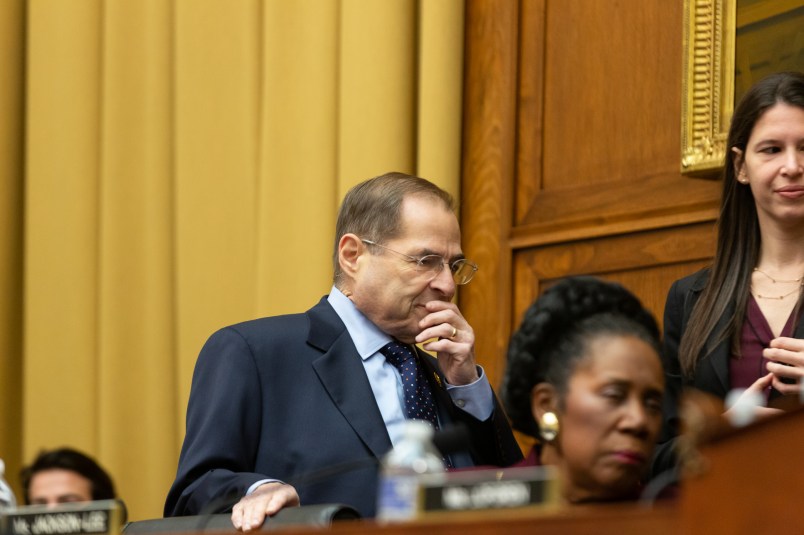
x: 712, y: 372
x: 287, y: 398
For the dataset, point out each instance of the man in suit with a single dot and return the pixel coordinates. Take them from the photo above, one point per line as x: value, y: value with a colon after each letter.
x: 300, y: 408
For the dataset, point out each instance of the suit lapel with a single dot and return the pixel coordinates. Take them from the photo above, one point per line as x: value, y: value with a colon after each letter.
x: 341, y: 372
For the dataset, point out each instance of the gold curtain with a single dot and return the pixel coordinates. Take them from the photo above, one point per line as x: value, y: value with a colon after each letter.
x: 174, y: 167
x: 12, y: 45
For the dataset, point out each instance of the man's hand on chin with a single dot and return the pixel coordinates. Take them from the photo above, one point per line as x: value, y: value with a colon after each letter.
x: 249, y: 513
x: 447, y: 333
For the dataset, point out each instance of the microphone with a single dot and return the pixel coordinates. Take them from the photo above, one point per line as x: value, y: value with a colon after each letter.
x: 319, y: 515
x: 221, y: 504
x: 451, y: 439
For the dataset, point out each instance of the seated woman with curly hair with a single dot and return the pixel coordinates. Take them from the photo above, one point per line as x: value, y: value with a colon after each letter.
x: 584, y: 376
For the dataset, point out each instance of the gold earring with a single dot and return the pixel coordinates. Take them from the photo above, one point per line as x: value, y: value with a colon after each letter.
x: 548, y: 426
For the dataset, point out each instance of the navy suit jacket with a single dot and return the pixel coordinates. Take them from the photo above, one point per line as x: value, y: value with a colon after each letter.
x: 287, y: 398
x: 711, y: 373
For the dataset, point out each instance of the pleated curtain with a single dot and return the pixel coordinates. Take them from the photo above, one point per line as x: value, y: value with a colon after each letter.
x: 170, y: 167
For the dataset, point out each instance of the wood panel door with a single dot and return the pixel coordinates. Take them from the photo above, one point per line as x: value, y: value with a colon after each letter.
x: 571, y: 156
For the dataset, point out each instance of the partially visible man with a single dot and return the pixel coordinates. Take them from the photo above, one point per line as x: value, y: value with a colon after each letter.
x: 300, y: 408
x: 65, y: 475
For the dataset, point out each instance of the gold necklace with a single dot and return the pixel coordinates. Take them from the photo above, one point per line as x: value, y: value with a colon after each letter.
x: 774, y: 281
x: 776, y: 297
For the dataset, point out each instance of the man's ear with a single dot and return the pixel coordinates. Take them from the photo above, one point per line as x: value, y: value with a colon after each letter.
x: 350, y: 248
x: 739, y: 165
x: 543, y: 398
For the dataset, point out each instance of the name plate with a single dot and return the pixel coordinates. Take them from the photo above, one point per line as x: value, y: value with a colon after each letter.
x: 483, y: 490
x: 99, y: 517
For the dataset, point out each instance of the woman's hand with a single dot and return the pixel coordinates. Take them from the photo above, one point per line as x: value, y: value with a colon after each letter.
x: 786, y: 356
x: 745, y: 408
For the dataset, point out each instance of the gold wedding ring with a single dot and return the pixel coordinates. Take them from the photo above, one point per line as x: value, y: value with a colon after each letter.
x: 454, y: 332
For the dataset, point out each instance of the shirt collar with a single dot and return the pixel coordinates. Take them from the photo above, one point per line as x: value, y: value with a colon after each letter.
x: 367, y: 337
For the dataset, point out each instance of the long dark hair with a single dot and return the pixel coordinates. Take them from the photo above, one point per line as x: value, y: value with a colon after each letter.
x: 738, y: 236
x: 555, y: 335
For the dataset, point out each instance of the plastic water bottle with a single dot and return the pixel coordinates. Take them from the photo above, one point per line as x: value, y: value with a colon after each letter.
x: 402, y: 470
x: 7, y: 499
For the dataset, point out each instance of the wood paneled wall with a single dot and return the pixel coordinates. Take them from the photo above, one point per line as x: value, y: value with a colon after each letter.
x: 571, y: 156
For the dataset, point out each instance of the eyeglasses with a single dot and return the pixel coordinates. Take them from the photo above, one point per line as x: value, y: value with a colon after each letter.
x: 462, y: 269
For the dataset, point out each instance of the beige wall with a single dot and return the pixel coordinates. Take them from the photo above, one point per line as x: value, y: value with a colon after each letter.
x: 12, y: 43
x: 182, y: 169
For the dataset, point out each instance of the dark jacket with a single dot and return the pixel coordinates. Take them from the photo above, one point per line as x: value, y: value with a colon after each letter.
x: 712, y: 371
x: 287, y: 398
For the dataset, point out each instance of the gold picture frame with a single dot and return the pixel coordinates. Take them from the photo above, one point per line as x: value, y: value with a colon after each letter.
x: 728, y: 46
x: 708, y: 84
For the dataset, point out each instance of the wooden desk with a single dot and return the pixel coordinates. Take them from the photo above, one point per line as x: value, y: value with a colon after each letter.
x: 581, y: 520
x: 754, y: 483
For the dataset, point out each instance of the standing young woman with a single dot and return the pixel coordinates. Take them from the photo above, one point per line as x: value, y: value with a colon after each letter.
x: 738, y: 324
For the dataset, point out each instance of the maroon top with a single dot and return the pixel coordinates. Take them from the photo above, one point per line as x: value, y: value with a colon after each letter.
x: 534, y: 458
x: 755, y: 336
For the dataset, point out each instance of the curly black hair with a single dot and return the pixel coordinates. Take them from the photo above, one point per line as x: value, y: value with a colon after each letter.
x: 555, y: 334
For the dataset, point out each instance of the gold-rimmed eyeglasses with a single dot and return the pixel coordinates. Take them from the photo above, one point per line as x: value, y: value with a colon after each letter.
x: 462, y: 269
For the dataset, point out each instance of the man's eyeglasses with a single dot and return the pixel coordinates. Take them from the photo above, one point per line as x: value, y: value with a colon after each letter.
x: 462, y: 269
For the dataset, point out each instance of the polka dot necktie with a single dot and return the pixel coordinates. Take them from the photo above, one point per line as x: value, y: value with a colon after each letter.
x: 419, y: 403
